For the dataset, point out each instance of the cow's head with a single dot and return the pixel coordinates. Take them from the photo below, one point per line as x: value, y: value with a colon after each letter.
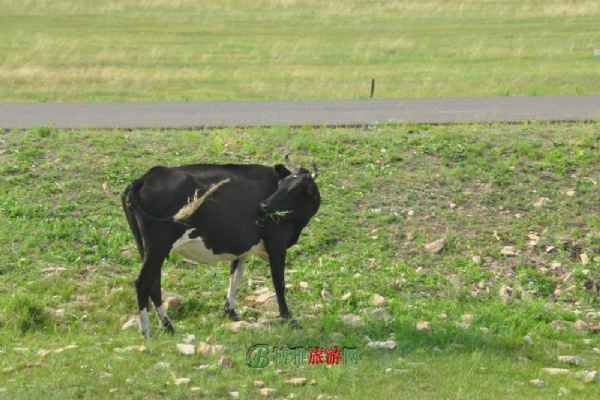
x: 297, y: 195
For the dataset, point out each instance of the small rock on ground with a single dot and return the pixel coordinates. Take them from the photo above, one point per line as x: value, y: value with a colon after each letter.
x: 182, y: 381
x: 436, y: 247
x: 423, y: 326
x: 187, y: 349
x: 557, y: 371
x: 268, y: 392
x: 389, y: 345
x: 297, y: 381
x: 589, y: 376
x: 379, y: 300
x: 571, y: 360
x: 538, y: 383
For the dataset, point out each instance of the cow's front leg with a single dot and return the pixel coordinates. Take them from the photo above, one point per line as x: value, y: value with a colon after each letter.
x: 277, y: 265
x: 236, y: 273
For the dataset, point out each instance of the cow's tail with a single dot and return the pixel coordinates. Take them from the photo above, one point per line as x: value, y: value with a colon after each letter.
x: 186, y: 212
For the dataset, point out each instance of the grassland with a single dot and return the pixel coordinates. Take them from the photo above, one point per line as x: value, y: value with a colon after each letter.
x: 67, y: 263
x: 156, y: 50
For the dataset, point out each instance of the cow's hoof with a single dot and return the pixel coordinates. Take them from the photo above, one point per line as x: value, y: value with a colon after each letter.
x: 169, y: 329
x: 231, y: 314
x: 295, y: 324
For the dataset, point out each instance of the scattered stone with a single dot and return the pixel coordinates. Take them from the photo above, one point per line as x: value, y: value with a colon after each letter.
x: 211, y: 339
x: 505, y: 293
x: 389, y: 345
x: 563, y: 345
x: 56, y: 270
x: 570, y: 193
x: 596, y: 350
x: 234, y: 395
x: 337, y: 336
x: 225, y: 362
x: 528, y: 340
x: 21, y: 349
x: 587, y: 342
x: 556, y: 371
x: 162, y: 364
x: 69, y: 347
x: 538, y: 383
x: 211, y: 349
x: 549, y: 249
x: 303, y: 285
x: 462, y: 325
x: 297, y: 381
x: 379, y: 315
x: 238, y: 326
x: 250, y: 298
x: 261, y: 290
x: 541, y: 201
x: 584, y: 258
x: 325, y: 294
x: 571, y: 360
x: 133, y: 322
x: 589, y: 376
x: 265, y: 297
x: 477, y: 259
x: 581, y: 326
x: 508, y: 251
x: 173, y: 302
x: 187, y: 349
x: 256, y: 281
x: 55, y: 315
x: 560, y: 324
x: 379, y: 300
x: 259, y: 384
x: 346, y: 296
x: 141, y: 348
x: 563, y: 391
x: 268, y: 392
x: 353, y: 321
x: 467, y: 318
x: 182, y: 381
x: 436, y: 247
x: 423, y: 326
x: 189, y: 339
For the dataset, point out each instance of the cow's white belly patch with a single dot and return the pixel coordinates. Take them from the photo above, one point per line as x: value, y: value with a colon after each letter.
x: 194, y: 249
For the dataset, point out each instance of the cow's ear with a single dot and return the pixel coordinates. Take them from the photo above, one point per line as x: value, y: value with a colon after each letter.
x: 281, y: 171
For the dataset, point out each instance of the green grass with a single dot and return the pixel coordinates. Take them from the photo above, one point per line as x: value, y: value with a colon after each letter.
x: 188, y: 50
x: 68, y: 262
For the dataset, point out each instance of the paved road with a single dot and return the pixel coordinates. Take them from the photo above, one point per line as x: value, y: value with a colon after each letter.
x: 298, y: 113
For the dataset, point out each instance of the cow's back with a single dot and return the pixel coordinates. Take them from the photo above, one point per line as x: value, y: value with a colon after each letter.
x: 228, y: 218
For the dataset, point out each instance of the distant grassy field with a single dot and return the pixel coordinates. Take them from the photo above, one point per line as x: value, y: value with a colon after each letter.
x: 157, y: 50
x: 515, y: 286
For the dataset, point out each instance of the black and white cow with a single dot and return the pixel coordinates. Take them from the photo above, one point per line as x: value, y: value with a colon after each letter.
x: 209, y: 213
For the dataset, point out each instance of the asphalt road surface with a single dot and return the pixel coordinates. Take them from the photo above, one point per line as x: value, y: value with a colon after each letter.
x: 299, y: 113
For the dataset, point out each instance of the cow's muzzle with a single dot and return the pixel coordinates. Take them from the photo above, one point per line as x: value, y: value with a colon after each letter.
x: 265, y: 208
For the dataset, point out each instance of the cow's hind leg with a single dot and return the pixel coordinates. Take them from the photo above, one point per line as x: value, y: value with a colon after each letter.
x: 146, y: 284
x: 156, y: 296
x: 236, y: 273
